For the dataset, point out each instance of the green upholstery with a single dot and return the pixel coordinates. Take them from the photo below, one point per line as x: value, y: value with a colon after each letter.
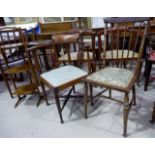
x: 112, y: 76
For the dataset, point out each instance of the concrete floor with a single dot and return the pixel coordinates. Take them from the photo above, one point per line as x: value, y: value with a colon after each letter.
x: 105, y: 118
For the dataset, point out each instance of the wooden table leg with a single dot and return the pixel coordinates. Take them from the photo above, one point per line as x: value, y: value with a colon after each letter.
x: 153, y: 115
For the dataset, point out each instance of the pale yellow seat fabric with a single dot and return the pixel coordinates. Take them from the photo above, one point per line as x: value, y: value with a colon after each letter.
x: 60, y: 76
x: 112, y: 54
x: 74, y: 56
x: 112, y: 76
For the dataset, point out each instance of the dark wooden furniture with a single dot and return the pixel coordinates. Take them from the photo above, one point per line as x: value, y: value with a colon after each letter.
x: 150, y: 58
x: 153, y: 115
x: 128, y: 20
x: 15, y: 61
x: 124, y: 22
x: 42, y: 51
x: 57, y: 27
x: 70, y: 49
x: 58, y: 78
x: 46, y: 29
x: 120, y: 67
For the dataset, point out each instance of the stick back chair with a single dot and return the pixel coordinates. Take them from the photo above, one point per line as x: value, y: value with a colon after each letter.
x: 120, y: 23
x: 121, y: 60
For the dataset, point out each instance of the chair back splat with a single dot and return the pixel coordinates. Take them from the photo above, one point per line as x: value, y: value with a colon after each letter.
x: 70, y: 48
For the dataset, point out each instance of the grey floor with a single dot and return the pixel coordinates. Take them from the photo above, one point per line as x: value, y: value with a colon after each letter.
x: 105, y: 118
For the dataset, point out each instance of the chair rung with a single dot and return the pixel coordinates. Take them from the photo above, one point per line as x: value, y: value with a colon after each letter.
x: 25, y: 89
x: 18, y: 69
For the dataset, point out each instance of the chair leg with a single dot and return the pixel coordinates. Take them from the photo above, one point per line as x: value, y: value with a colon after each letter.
x: 74, y: 90
x: 40, y: 97
x: 58, y: 104
x: 139, y: 72
x: 91, y: 94
x: 110, y: 93
x: 19, y: 100
x: 85, y: 99
x: 147, y: 73
x: 134, y: 95
x: 125, y: 111
x: 153, y: 115
x: 44, y: 93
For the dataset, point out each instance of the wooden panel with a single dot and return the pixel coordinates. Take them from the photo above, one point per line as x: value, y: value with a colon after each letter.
x: 56, y: 27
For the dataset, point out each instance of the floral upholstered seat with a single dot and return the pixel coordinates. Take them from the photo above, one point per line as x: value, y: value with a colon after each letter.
x: 112, y: 76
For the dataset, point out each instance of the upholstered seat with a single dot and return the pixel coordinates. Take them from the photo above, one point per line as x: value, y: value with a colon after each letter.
x: 121, y: 54
x: 112, y: 76
x: 74, y: 56
x: 63, y: 75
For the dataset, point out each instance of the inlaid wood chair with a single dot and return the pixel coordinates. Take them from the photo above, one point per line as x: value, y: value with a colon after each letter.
x: 15, y: 61
x: 60, y: 77
x: 120, y: 67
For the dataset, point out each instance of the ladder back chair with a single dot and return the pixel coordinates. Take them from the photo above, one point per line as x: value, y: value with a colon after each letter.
x: 15, y: 62
x: 121, y: 60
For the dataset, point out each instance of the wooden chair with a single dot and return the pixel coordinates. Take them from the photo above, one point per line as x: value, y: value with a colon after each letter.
x: 68, y: 48
x: 59, y: 77
x: 124, y: 22
x: 120, y: 67
x: 15, y: 61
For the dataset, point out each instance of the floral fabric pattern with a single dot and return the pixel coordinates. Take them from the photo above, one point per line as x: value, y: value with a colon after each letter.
x: 112, y: 76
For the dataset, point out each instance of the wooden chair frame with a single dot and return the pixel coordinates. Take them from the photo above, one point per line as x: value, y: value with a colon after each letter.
x: 43, y: 81
x: 118, y: 62
x: 15, y: 39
